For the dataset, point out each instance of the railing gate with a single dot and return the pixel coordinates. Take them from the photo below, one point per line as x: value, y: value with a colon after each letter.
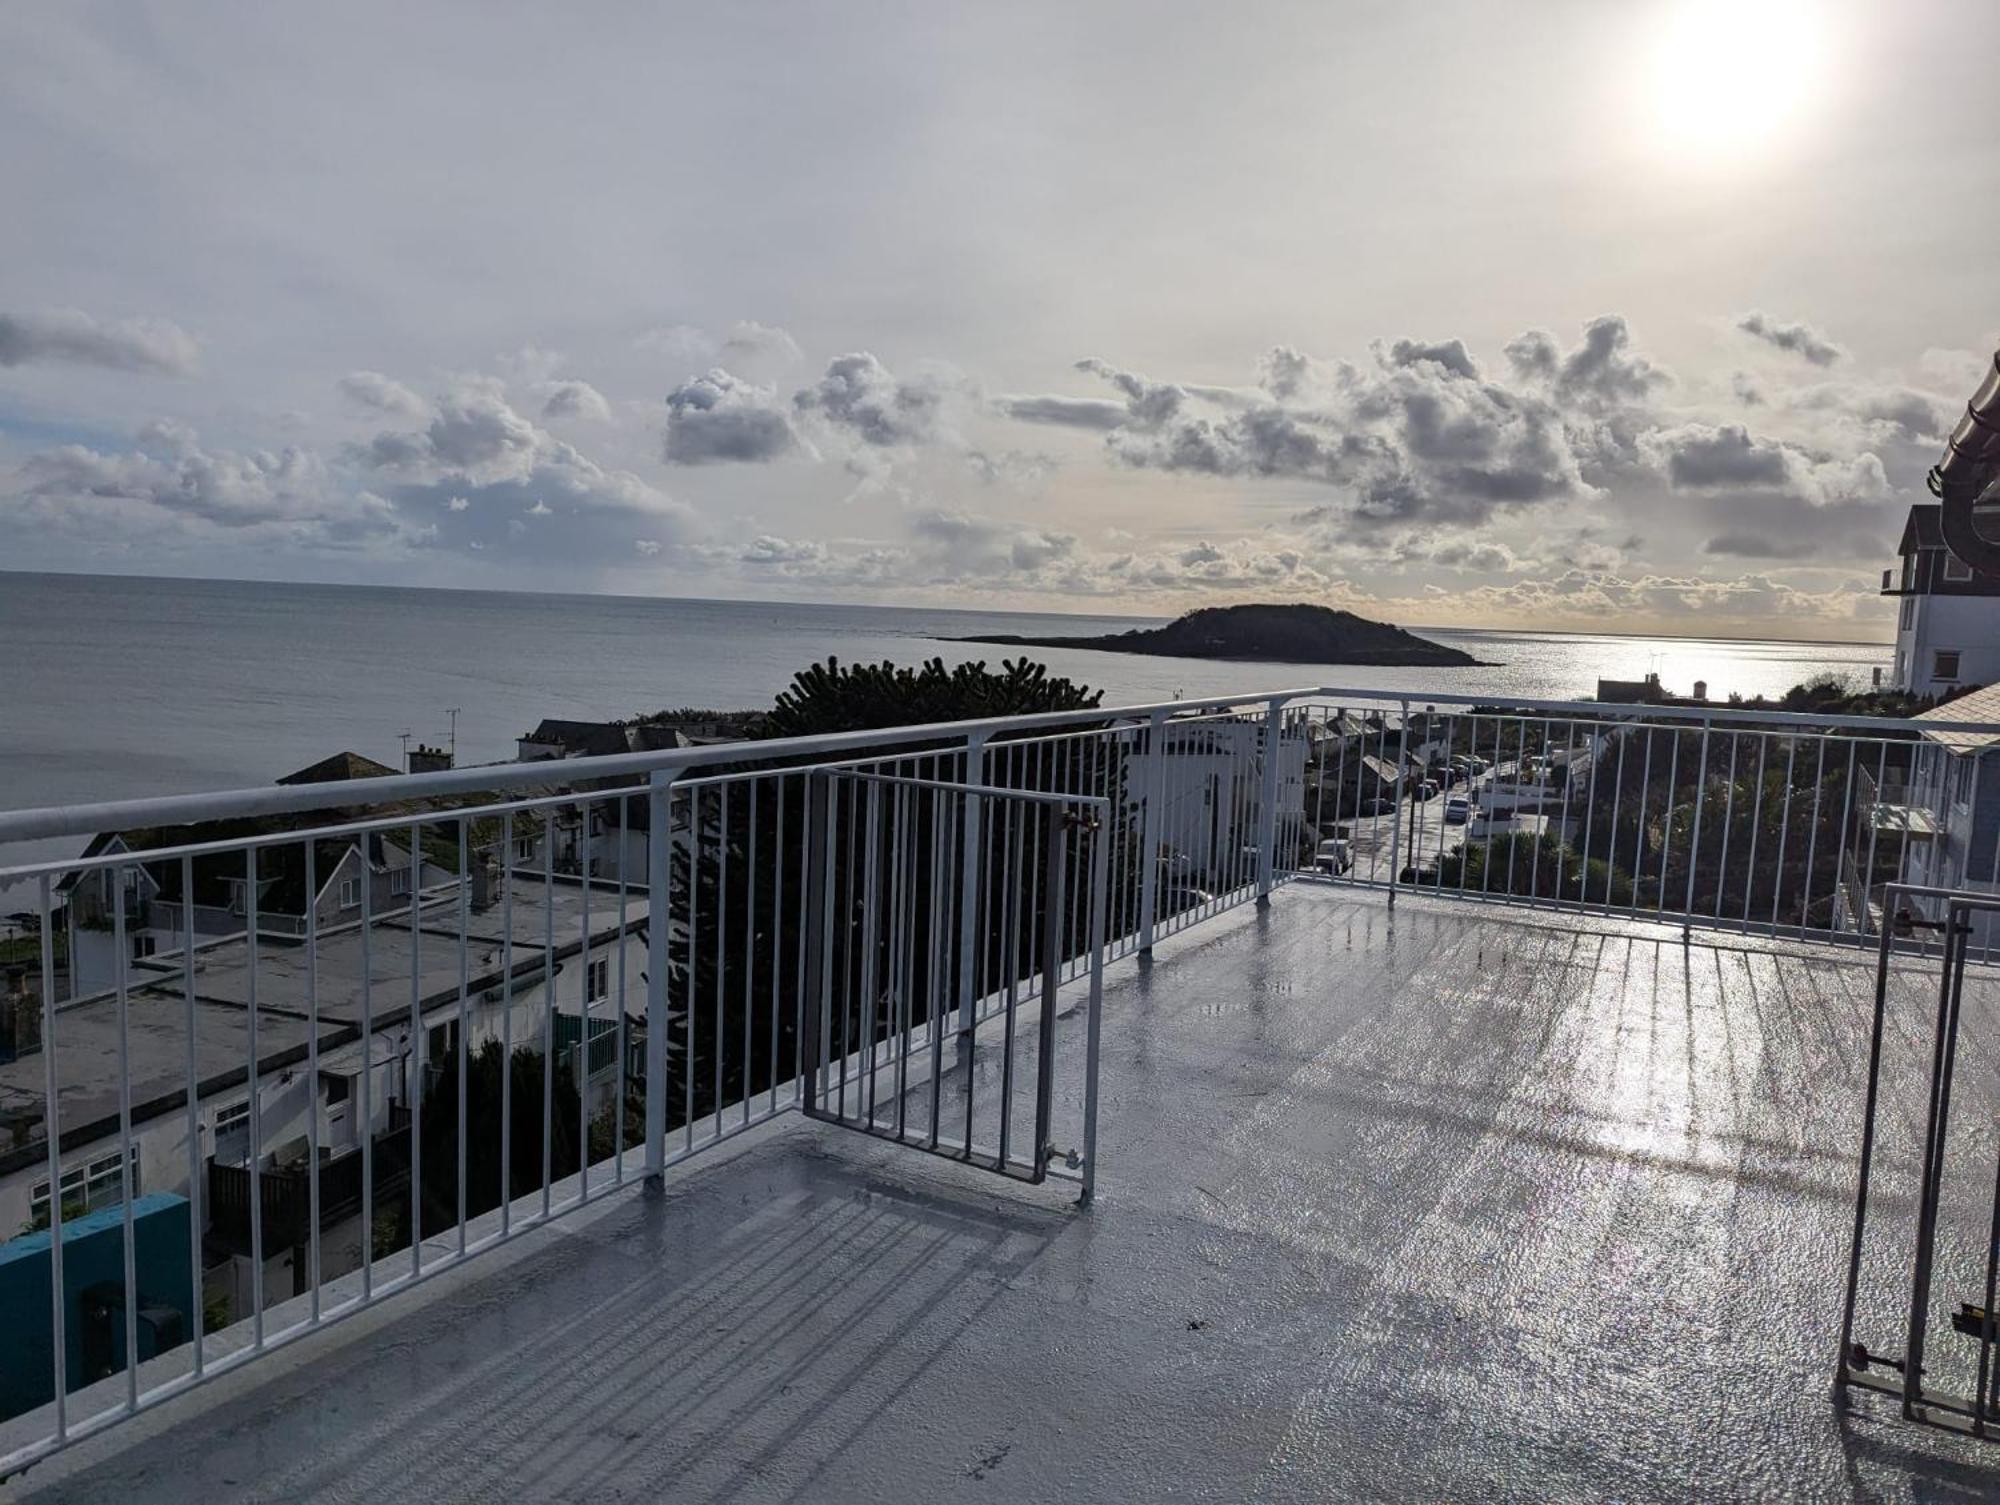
x: 887, y: 1050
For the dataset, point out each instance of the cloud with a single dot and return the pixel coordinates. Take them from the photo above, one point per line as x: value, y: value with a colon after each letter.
x: 719, y: 418
x: 170, y: 471
x: 1068, y: 412
x: 860, y: 398
x: 381, y: 394
x: 647, y: 548
x: 1761, y: 546
x: 1449, y: 355
x: 478, y: 449
x: 769, y: 550
x: 748, y: 340
x: 1702, y: 457
x: 457, y: 504
x: 1417, y: 437
x: 1798, y: 339
x: 1601, y: 373
x: 71, y: 336
x: 576, y: 399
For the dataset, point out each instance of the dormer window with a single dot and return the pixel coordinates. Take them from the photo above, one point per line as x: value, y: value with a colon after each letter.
x: 1956, y: 568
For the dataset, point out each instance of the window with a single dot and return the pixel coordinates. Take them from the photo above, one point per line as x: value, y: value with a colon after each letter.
x: 1909, y: 612
x: 399, y: 880
x: 236, y: 902
x: 524, y: 849
x: 1956, y: 568
x: 1945, y: 664
x: 338, y: 1088
x: 85, y: 1187
x: 350, y: 893
x: 231, y: 1118
x: 600, y: 979
x: 144, y: 944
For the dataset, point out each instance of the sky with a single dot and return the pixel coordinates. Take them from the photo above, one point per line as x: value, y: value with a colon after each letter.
x: 1645, y: 316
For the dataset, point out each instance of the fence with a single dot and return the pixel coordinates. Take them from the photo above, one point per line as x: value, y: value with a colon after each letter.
x: 812, y: 914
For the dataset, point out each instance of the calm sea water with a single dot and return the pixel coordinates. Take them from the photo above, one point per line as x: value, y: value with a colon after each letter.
x: 121, y: 687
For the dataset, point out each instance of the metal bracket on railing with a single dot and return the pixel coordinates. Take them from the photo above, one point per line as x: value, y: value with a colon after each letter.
x: 1080, y: 820
x: 1906, y: 925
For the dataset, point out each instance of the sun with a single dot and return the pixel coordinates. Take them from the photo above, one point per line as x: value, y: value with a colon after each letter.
x: 1732, y: 78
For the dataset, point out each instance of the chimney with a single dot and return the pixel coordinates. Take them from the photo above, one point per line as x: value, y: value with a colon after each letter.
x: 427, y: 759
x: 1701, y: 689
x: 485, y: 880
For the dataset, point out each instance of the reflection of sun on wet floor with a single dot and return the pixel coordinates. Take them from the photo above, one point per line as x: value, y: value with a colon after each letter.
x: 1439, y: 1203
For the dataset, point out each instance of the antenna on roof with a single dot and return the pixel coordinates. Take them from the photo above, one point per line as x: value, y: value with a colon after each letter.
x: 452, y: 711
x: 404, y: 737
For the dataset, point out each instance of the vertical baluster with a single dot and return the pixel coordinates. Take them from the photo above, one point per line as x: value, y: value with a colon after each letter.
x: 506, y: 1023
x: 1812, y: 834
x: 52, y: 1145
x: 197, y: 1192
x: 622, y: 1033
x: 256, y: 1095
x: 312, y: 1069
x: 750, y: 858
x: 365, y: 848
x: 1756, y: 825
x: 419, y: 1053
x: 579, y: 1067
x: 1784, y: 828
x: 464, y: 1013
x: 548, y: 1006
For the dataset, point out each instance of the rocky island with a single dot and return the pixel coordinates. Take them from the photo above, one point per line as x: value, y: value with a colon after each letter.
x: 1292, y: 634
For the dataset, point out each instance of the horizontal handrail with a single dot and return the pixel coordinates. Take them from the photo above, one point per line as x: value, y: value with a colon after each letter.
x: 286, y: 799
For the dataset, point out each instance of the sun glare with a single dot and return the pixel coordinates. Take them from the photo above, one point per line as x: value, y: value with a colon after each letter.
x: 1731, y: 78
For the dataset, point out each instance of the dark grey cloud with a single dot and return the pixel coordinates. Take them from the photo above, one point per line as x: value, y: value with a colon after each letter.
x: 576, y: 399
x: 748, y: 340
x: 859, y: 397
x: 381, y: 394
x: 1418, y: 438
x: 1068, y: 412
x: 1702, y: 458
x: 720, y: 419
x: 1798, y: 339
x: 1762, y: 546
x: 71, y: 336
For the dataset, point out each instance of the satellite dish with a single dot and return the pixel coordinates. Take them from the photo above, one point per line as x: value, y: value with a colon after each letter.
x: 1967, y: 480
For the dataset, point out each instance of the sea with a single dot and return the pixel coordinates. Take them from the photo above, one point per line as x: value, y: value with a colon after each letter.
x: 121, y: 687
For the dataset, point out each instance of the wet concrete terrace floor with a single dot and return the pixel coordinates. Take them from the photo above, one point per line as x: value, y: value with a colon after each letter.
x: 1455, y: 1202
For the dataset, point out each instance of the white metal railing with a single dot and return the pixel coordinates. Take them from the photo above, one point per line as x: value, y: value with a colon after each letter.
x: 470, y: 1018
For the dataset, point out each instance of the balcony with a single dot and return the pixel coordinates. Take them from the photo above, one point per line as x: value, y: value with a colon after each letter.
x: 1423, y: 1182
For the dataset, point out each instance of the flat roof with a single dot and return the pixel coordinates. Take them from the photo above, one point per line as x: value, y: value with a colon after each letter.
x: 1444, y: 1202
x: 87, y: 1045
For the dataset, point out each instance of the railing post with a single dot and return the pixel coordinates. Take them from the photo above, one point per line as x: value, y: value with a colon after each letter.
x: 1395, y: 814
x: 659, y: 868
x: 1267, y: 804
x: 970, y: 863
x: 1151, y: 800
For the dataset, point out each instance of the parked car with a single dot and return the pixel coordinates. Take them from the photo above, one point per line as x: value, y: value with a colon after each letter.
x: 1334, y: 857
x: 1427, y: 790
x: 1457, y: 810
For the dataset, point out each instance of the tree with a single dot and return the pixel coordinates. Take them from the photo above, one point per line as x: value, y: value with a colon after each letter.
x: 827, y: 698
x: 737, y: 928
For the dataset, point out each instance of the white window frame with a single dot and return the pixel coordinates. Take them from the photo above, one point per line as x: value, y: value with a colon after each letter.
x: 1909, y: 613
x: 1956, y: 569
x: 399, y: 881
x: 598, y: 975
x: 230, y: 1115
x: 1938, y: 656
x: 350, y: 893
x: 97, y: 1179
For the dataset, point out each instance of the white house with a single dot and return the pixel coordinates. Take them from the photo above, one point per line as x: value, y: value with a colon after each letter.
x: 1947, y: 617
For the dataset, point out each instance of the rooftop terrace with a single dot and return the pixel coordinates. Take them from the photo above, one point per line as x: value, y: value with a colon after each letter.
x: 1447, y: 1200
